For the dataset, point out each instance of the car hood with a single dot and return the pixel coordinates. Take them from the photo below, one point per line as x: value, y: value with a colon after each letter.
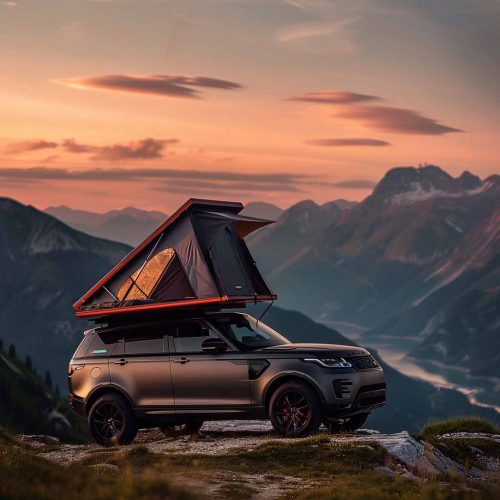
x: 318, y: 349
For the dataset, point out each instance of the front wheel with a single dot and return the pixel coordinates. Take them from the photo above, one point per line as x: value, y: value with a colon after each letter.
x: 348, y: 424
x: 177, y: 430
x: 295, y: 410
x: 111, y: 421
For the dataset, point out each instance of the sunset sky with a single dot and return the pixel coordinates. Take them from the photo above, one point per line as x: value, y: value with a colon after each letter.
x: 111, y: 103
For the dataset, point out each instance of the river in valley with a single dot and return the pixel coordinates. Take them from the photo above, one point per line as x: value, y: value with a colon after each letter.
x: 481, y: 391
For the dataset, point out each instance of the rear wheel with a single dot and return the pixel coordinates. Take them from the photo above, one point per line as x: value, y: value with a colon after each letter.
x: 295, y: 410
x: 111, y: 421
x: 348, y: 424
x: 177, y: 430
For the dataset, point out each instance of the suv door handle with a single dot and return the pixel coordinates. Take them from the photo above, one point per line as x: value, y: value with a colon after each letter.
x: 120, y: 362
x: 182, y: 361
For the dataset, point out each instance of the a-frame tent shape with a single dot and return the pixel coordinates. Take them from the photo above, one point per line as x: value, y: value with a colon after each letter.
x: 197, y: 257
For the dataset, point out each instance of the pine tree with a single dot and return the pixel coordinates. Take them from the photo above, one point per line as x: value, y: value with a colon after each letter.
x: 28, y: 363
x: 48, y: 379
x: 1, y: 344
x: 12, y: 351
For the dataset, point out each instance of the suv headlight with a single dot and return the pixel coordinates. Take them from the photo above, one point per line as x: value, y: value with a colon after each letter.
x: 330, y: 362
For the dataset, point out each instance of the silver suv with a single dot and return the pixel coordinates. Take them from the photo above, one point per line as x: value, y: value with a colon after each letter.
x: 177, y: 372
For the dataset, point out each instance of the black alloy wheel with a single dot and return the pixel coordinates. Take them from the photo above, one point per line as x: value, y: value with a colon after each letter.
x: 295, y: 410
x: 111, y: 421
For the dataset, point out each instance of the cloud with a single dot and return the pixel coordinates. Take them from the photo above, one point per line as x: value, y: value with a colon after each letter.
x: 398, y: 120
x: 71, y: 146
x: 361, y: 141
x: 201, y: 186
x: 356, y: 184
x: 336, y: 28
x: 142, y: 149
x: 334, y: 97
x: 135, y: 174
x: 160, y: 85
x: 31, y: 145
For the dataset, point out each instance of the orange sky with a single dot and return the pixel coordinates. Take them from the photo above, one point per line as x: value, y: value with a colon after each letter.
x: 112, y: 103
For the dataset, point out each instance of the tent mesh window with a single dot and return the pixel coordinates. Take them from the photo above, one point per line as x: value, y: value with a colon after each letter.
x: 141, y: 283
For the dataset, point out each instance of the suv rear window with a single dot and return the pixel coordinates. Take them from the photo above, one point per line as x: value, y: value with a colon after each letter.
x: 101, y: 344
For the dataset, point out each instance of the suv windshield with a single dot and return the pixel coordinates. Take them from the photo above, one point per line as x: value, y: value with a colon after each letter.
x: 246, y: 332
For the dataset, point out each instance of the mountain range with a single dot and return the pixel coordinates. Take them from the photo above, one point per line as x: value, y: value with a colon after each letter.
x: 45, y: 266
x: 132, y: 226
x: 397, y: 264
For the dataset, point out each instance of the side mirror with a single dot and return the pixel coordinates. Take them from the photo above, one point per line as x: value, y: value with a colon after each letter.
x: 214, y: 345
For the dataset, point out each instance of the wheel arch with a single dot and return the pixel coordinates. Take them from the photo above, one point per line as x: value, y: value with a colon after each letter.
x: 101, y: 391
x: 290, y: 377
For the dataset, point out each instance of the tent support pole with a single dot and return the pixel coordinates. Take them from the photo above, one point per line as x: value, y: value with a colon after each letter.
x: 112, y: 295
x: 265, y: 311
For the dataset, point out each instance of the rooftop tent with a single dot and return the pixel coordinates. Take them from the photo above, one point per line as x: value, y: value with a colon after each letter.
x: 196, y: 257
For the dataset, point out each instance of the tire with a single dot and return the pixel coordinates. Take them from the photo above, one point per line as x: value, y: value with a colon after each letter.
x: 349, y: 424
x: 295, y: 410
x: 185, y: 429
x: 111, y: 421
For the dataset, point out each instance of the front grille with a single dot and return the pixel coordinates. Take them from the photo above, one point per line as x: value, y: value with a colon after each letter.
x: 363, y: 362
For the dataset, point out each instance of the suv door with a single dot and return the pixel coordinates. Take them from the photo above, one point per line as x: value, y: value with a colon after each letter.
x: 205, y: 381
x: 142, y: 368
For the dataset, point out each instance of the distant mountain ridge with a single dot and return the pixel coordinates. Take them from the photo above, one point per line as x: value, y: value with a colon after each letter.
x: 45, y: 266
x: 129, y: 225
x: 382, y: 255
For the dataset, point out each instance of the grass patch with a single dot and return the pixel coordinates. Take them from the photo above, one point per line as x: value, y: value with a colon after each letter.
x: 310, y: 458
x: 373, y: 487
x: 465, y: 450
x: 24, y: 475
x: 469, y: 424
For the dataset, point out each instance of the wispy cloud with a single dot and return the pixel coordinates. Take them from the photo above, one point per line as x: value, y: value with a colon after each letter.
x: 398, y: 120
x: 189, y: 185
x: 159, y: 85
x: 312, y: 30
x: 134, y: 174
x: 357, y: 141
x: 30, y: 145
x: 356, y: 184
x: 358, y: 107
x: 334, y: 97
x: 142, y: 149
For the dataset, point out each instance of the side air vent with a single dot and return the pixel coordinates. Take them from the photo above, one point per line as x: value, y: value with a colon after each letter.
x: 256, y: 367
x: 342, y: 388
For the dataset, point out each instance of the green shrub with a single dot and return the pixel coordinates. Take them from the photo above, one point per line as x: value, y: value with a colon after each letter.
x: 468, y: 424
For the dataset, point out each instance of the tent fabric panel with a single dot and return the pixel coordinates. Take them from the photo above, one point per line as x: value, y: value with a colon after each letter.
x: 193, y: 261
x: 230, y: 270
x: 173, y: 284
x: 259, y: 284
x: 182, y: 239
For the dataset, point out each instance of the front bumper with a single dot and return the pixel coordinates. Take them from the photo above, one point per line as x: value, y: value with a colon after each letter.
x: 360, y: 392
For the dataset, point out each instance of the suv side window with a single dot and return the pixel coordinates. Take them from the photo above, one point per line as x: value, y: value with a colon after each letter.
x: 103, y: 344
x: 150, y: 342
x: 190, y: 336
